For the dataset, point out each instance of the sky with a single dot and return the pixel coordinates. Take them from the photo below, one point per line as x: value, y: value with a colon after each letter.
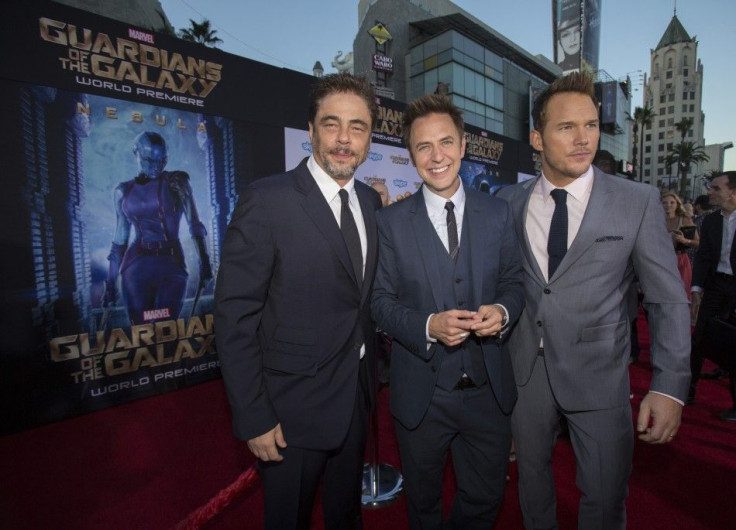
x: 294, y: 34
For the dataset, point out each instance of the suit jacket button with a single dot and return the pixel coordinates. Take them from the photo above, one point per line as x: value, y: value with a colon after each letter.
x: 539, y: 323
x: 434, y: 368
x: 547, y: 291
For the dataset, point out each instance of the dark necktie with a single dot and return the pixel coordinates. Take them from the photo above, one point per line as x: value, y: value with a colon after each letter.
x: 452, y: 242
x: 350, y: 234
x: 557, y: 242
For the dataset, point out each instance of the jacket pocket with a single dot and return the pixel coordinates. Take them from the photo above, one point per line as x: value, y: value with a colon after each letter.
x: 293, y: 351
x: 604, y: 332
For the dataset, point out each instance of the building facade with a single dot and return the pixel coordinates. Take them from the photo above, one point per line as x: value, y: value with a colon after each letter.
x: 674, y: 91
x: 437, y: 47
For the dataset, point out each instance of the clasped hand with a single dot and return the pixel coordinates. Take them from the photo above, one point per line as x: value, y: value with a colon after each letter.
x: 454, y: 326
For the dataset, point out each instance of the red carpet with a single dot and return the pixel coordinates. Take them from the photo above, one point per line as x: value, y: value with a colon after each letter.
x: 148, y: 464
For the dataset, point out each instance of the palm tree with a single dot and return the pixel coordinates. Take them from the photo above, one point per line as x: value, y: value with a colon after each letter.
x: 200, y: 33
x: 685, y: 154
x: 643, y: 118
x: 683, y: 126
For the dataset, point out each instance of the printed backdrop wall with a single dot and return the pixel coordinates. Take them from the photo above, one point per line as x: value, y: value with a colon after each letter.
x: 78, y: 92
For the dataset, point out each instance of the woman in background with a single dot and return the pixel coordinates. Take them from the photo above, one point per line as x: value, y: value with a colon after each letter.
x: 684, y: 235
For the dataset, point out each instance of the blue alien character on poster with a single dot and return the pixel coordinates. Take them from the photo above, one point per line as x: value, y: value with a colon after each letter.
x: 479, y: 177
x: 151, y: 266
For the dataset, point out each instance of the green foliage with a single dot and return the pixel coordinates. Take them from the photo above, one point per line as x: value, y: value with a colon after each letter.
x: 200, y: 33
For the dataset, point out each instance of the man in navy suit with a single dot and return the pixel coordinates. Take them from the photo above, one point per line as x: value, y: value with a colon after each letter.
x: 448, y: 284
x: 294, y: 333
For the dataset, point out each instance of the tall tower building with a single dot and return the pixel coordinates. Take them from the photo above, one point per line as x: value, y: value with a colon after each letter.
x: 674, y: 91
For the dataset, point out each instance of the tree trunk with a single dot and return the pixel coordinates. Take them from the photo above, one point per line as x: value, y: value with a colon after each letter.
x: 683, y: 182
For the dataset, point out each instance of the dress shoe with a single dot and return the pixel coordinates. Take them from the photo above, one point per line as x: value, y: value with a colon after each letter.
x: 728, y: 415
x: 715, y: 374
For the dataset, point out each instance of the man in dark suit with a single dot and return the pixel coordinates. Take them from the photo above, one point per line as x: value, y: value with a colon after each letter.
x: 714, y: 284
x: 584, y: 235
x: 294, y: 332
x: 448, y: 282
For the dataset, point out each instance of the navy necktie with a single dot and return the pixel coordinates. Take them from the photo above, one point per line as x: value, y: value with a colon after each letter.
x: 452, y: 242
x: 557, y: 242
x: 350, y: 234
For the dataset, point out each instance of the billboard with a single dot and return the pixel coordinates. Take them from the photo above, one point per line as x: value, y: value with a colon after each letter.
x: 576, y: 34
x: 567, y: 34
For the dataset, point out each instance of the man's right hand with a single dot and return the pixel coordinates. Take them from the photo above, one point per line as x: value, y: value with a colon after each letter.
x: 265, y: 446
x: 452, y: 327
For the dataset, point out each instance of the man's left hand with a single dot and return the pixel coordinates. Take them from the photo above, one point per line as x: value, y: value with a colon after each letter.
x: 489, y: 321
x: 659, y: 418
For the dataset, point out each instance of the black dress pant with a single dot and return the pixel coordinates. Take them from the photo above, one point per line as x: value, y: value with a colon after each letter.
x: 290, y: 486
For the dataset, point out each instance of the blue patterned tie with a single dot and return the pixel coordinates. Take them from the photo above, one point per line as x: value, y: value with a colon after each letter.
x: 557, y: 242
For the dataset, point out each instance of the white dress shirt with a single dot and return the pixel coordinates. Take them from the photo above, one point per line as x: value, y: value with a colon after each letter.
x: 330, y: 189
x: 542, y: 206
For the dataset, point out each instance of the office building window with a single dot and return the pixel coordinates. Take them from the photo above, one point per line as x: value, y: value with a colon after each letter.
x: 648, y: 137
x: 648, y: 149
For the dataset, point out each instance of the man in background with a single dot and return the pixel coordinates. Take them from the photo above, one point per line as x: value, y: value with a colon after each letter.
x: 714, y: 284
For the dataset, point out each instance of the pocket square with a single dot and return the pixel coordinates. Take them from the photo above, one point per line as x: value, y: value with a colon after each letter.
x: 609, y: 238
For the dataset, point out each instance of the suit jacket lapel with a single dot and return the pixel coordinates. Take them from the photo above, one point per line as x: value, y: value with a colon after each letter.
x: 591, y: 227
x: 520, y: 207
x: 319, y: 211
x: 369, y: 219
x: 474, y: 226
x: 424, y: 233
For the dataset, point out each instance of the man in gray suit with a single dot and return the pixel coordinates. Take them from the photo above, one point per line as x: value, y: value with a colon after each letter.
x: 583, y: 236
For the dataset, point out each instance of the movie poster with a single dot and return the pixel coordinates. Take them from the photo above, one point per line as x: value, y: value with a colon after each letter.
x: 119, y: 183
x: 121, y: 223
